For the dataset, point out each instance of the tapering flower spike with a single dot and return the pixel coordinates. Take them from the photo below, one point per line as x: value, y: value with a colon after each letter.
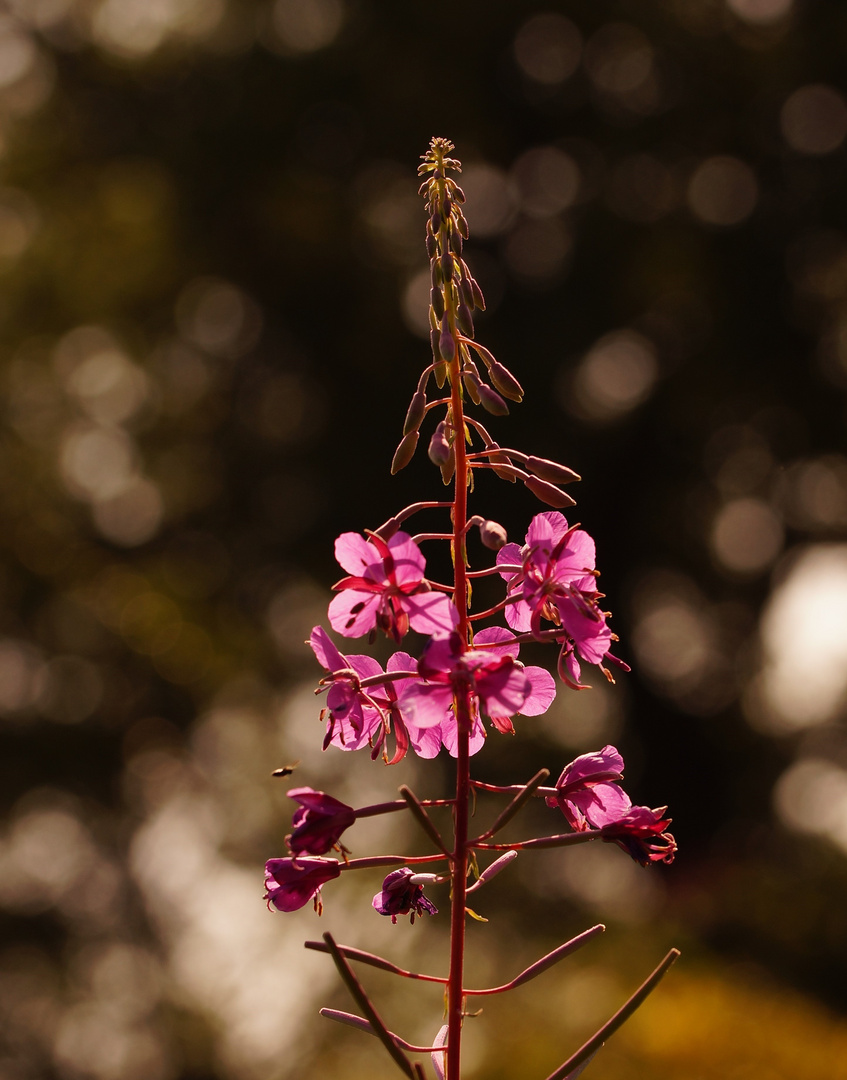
x: 319, y: 822
x: 291, y: 883
x: 386, y: 589
x: 401, y: 896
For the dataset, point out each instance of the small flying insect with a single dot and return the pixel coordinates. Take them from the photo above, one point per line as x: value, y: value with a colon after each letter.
x: 286, y: 770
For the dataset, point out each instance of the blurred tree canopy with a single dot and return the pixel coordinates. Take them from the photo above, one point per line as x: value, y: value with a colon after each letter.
x: 213, y: 315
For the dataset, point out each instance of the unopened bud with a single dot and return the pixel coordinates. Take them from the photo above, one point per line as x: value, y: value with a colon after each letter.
x: 449, y: 468
x: 435, y: 272
x: 456, y: 241
x: 463, y: 225
x: 464, y: 319
x: 548, y: 493
x: 404, y: 452
x: 437, y: 301
x: 416, y: 413
x: 446, y: 206
x: 435, y: 222
x: 440, y: 371
x: 478, y: 298
x: 467, y: 291
x: 472, y: 385
x: 551, y: 470
x: 439, y: 447
x: 493, y: 536
x: 505, y: 381
x: 458, y: 194
x: 446, y: 342
x: 507, y: 471
x: 492, y: 402
x: 431, y: 246
x: 447, y: 266
x: 434, y: 336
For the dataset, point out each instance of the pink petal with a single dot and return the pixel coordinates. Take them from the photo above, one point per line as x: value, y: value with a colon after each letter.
x: 542, y: 691
x: 450, y: 736
x: 546, y: 529
x: 426, y: 704
x: 409, y: 563
x: 507, y: 647
x: 509, y: 555
x: 503, y: 691
x: 355, y: 554
x: 431, y: 613
x: 344, y: 621
x: 328, y: 656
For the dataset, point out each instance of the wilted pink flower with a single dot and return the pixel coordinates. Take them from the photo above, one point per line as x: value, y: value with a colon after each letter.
x: 386, y: 589
x: 318, y: 823
x: 641, y: 833
x: 291, y: 883
x: 588, y: 793
x: 400, y: 896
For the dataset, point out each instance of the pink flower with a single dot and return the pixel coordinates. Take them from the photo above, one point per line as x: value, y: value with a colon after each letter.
x: 352, y: 716
x: 499, y: 685
x: 386, y: 589
x: 641, y: 833
x: 554, y: 557
x: 291, y: 883
x: 318, y: 823
x: 400, y: 896
x: 588, y: 793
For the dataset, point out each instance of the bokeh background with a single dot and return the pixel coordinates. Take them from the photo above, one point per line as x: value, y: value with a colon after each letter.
x: 211, y: 316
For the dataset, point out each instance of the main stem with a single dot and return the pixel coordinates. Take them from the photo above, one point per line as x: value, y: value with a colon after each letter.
x: 461, y: 704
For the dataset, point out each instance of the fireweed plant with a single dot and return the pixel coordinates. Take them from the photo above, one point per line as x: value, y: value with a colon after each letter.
x: 467, y: 679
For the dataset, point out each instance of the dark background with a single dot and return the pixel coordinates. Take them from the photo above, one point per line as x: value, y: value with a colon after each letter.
x: 213, y: 271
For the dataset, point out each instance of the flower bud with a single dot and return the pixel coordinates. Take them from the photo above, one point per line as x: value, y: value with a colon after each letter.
x: 404, y: 452
x: 435, y: 222
x: 551, y: 470
x: 456, y: 241
x: 441, y: 372
x: 493, y: 536
x: 548, y: 493
x: 446, y: 205
x: 467, y: 291
x: 463, y: 225
x: 508, y: 471
x: 431, y: 246
x: 446, y: 342
x: 472, y: 385
x: 458, y: 194
x: 492, y: 402
x: 439, y: 447
x: 464, y: 319
x: 437, y: 302
x: 505, y: 381
x: 416, y: 413
x: 449, y: 468
x: 434, y: 336
x: 447, y: 266
x: 479, y: 299
x: 435, y: 273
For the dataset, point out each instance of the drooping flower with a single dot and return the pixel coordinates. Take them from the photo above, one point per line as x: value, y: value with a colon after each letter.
x: 291, y: 883
x: 386, y: 589
x: 318, y: 823
x: 641, y: 832
x: 588, y: 792
x: 400, y: 896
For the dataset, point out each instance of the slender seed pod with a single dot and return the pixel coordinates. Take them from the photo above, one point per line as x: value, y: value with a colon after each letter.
x: 551, y: 470
x: 404, y: 452
x: 416, y: 413
x: 548, y: 493
x: 505, y: 381
x: 492, y: 402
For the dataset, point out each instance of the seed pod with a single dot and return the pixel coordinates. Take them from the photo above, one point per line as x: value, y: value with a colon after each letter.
x: 447, y: 266
x: 437, y: 301
x: 439, y: 449
x: 416, y: 413
x: 404, y: 452
x: 505, y: 381
x: 551, y: 470
x: 548, y: 493
x: 472, y: 385
x: 493, y: 535
x: 465, y: 319
x: 492, y: 402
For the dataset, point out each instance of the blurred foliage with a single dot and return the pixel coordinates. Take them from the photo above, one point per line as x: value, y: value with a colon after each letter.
x: 211, y: 255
